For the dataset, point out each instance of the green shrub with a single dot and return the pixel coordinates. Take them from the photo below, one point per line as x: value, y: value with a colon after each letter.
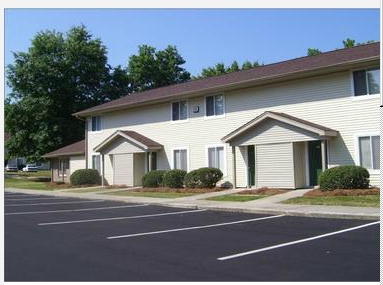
x: 153, y: 178
x: 85, y: 177
x: 206, y: 177
x: 344, y: 177
x: 174, y: 178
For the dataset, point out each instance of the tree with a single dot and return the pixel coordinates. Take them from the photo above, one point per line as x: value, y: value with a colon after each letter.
x: 347, y: 43
x: 151, y: 69
x: 220, y: 69
x: 313, y: 51
x: 57, y: 76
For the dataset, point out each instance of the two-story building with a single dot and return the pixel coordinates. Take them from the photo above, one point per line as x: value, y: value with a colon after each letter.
x: 278, y: 125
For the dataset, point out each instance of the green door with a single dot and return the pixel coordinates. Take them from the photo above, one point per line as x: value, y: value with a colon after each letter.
x: 315, y: 161
x: 251, y: 165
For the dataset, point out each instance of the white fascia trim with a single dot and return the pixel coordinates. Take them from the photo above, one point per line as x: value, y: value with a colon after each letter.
x: 224, y: 159
x: 187, y: 156
x: 119, y: 133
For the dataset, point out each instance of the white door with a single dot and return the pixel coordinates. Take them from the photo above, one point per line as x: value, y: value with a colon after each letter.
x: 274, y: 165
x: 123, y: 169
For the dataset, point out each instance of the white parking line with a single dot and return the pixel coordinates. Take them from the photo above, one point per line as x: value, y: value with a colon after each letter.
x: 42, y: 198
x: 295, y: 242
x: 39, y: 204
x: 195, y: 228
x: 76, y: 210
x: 120, y: 218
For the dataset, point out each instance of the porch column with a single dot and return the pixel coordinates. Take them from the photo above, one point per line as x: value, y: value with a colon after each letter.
x: 234, y: 168
x: 324, y: 154
x: 102, y: 170
x: 150, y: 161
x: 52, y: 164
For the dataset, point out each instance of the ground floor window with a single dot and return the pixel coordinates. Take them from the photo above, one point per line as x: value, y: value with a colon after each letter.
x: 216, y: 157
x: 369, y: 153
x: 180, y: 159
x: 153, y: 161
x: 63, y: 166
x: 96, y: 162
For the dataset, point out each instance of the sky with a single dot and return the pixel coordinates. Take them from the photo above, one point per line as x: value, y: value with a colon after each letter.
x: 203, y: 37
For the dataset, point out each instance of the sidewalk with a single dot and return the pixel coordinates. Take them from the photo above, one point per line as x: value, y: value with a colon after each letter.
x: 267, y: 205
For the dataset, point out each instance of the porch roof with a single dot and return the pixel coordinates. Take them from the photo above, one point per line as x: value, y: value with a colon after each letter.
x: 282, y: 117
x: 77, y: 148
x: 144, y: 142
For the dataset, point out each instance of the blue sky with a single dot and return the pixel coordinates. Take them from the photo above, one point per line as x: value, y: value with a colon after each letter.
x: 204, y: 37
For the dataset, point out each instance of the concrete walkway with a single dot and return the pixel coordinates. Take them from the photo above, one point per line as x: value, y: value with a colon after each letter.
x: 267, y: 205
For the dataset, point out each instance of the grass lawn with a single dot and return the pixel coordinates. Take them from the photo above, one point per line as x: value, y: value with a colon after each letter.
x: 360, y: 201
x: 236, y: 198
x: 26, y: 184
x: 87, y: 190
x: 151, y: 194
x: 40, y: 173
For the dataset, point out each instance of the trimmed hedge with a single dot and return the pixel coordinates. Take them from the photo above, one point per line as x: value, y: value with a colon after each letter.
x: 153, y: 178
x: 344, y: 177
x: 205, y: 177
x: 85, y: 177
x: 174, y: 178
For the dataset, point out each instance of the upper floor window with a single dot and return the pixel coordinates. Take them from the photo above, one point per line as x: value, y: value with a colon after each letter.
x: 96, y: 123
x: 179, y: 111
x: 215, y: 105
x: 96, y: 162
x: 366, y: 82
x: 369, y: 153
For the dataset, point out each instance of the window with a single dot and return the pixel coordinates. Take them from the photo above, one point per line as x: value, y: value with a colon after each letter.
x: 369, y: 154
x: 216, y: 157
x: 153, y: 162
x: 366, y: 82
x: 96, y: 124
x: 179, y: 111
x: 63, y: 166
x: 180, y: 159
x: 215, y: 105
x: 96, y: 162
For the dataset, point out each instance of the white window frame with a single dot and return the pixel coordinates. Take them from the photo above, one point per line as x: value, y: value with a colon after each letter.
x: 362, y: 97
x: 187, y: 156
x: 224, y: 107
x: 171, y: 112
x: 224, y: 171
x: 63, y: 174
x: 91, y: 161
x: 91, y: 125
x: 357, y: 150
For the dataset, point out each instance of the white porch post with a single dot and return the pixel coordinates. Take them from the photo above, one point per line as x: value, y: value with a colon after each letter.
x: 102, y: 170
x: 150, y: 161
x: 234, y: 168
x: 324, y: 154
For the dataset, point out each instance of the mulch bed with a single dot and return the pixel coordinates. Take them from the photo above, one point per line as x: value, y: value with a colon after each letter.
x: 343, y: 192
x: 263, y: 191
x: 179, y: 190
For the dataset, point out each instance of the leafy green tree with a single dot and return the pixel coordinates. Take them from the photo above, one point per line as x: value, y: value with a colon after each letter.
x: 313, y: 51
x: 57, y: 76
x: 220, y: 69
x: 347, y: 43
x: 151, y: 69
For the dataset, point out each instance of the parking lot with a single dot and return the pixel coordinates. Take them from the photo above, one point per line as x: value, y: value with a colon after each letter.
x: 68, y: 239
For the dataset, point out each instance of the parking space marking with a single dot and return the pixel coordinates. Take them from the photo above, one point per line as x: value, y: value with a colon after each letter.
x: 121, y: 218
x: 76, y: 210
x: 195, y: 228
x: 295, y: 242
x: 58, y: 203
x: 42, y: 198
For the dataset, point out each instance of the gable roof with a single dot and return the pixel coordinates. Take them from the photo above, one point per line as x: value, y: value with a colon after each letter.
x: 133, y: 136
x: 77, y: 148
x: 303, y: 66
x: 291, y: 120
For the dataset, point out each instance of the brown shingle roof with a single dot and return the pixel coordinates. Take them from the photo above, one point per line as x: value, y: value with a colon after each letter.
x: 142, y: 139
x: 77, y: 148
x: 270, y: 71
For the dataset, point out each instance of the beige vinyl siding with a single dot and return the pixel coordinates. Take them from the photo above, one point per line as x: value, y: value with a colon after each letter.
x: 139, y: 168
x: 123, y: 169
x: 324, y: 100
x: 76, y: 162
x: 274, y: 165
x: 274, y: 131
x: 300, y: 164
x: 122, y: 145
